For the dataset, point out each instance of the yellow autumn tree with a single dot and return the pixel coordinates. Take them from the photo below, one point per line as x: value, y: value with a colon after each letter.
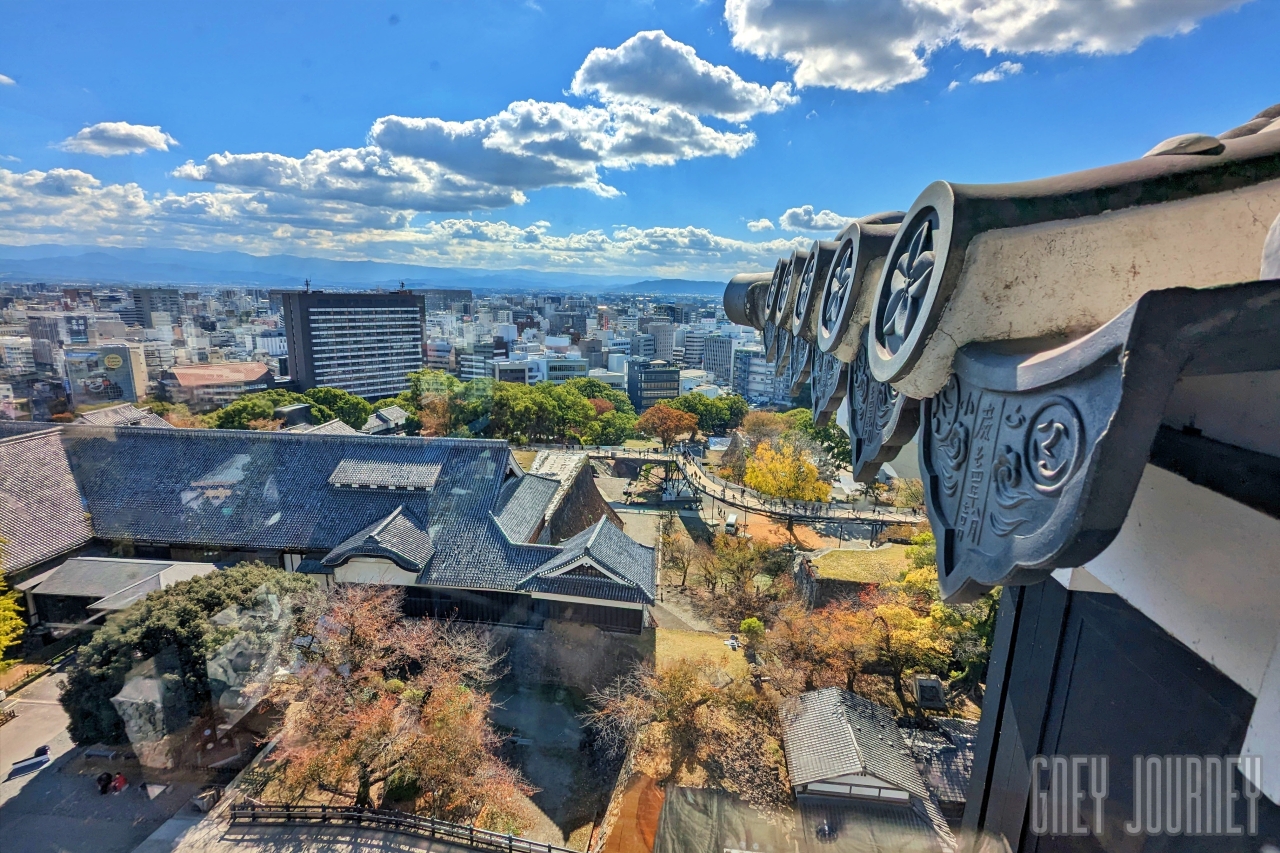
x: 782, y: 470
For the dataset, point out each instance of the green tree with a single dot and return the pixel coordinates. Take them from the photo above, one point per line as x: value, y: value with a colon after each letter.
x: 590, y: 387
x: 423, y: 383
x: 174, y: 621
x: 715, y: 415
x: 610, y: 429
x: 262, y: 406
x: 348, y: 408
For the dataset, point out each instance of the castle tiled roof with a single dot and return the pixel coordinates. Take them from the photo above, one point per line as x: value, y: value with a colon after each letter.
x: 41, y: 513
x: 125, y: 414
x: 400, y: 537
x: 614, y: 552
x: 455, y: 510
x: 522, y: 505
x: 832, y: 732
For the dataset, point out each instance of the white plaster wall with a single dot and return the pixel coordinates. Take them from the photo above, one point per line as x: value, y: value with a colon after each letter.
x: 373, y: 570
x: 1203, y: 567
x: 1227, y: 408
x: 1074, y: 275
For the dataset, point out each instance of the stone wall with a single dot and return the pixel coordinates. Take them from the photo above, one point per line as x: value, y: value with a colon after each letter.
x: 583, y: 505
x: 567, y: 653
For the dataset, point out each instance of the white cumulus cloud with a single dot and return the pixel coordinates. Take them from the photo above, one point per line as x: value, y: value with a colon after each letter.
x: 68, y: 205
x: 110, y: 138
x: 1001, y: 71
x: 5, y: 80
x: 760, y: 225
x: 433, y: 165
x: 866, y: 45
x: 805, y: 219
x: 654, y: 69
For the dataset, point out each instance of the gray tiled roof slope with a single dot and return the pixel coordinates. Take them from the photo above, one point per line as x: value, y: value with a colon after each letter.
x: 333, y: 427
x: 832, y: 732
x: 522, y: 505
x: 125, y: 414
x: 613, y: 550
x: 41, y: 512
x: 271, y: 490
x: 400, y: 537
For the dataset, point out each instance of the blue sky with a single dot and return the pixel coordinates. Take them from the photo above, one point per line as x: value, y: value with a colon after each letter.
x: 661, y: 138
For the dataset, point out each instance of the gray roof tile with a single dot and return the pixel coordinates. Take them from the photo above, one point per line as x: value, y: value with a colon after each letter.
x: 41, y: 512
x: 614, y: 551
x: 522, y: 505
x: 125, y: 414
x: 399, y: 537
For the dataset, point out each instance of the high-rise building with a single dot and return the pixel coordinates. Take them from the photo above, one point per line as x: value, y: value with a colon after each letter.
x: 717, y: 357
x: 664, y: 338
x: 694, y: 344
x: 752, y: 375
x: 153, y: 300
x: 476, y: 361
x: 440, y: 356
x: 363, y: 343
x: 651, y: 381
x: 445, y: 298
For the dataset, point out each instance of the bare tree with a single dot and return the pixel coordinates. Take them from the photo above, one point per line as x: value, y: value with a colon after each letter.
x: 375, y: 696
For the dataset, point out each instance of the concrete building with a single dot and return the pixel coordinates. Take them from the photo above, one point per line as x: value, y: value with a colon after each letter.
x: 115, y: 372
x: 613, y: 380
x: 651, y: 381
x: 16, y: 355
x: 642, y: 345
x: 476, y: 361
x: 440, y: 356
x: 664, y: 337
x: 148, y: 301
x: 717, y: 357
x: 694, y: 345
x: 363, y: 343
x: 210, y: 386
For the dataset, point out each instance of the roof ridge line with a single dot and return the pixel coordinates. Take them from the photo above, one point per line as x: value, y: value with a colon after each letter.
x: 382, y: 525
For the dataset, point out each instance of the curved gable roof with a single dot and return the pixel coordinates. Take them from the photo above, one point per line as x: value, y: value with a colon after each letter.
x: 400, y: 537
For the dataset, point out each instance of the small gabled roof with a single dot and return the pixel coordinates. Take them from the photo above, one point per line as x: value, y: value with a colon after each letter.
x: 831, y: 732
x: 522, y: 505
x: 387, y: 416
x: 400, y: 537
x: 125, y: 414
x: 333, y: 427
x: 115, y: 582
x: 616, y: 553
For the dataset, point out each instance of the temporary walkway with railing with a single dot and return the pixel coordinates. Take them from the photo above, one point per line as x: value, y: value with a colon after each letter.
x: 740, y: 497
x: 388, y: 821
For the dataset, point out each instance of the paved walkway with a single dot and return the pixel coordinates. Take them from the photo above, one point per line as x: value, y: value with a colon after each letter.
x: 58, y: 809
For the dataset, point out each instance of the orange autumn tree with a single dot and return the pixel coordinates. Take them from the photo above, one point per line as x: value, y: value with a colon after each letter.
x: 378, y: 700
x: 667, y: 424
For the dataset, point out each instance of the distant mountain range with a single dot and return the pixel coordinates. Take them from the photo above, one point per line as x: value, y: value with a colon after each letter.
x: 92, y: 264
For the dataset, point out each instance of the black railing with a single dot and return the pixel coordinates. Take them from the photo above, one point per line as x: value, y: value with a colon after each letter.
x: 390, y: 821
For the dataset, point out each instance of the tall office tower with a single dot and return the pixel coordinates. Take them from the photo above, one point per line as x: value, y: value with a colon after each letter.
x: 151, y: 300
x: 717, y: 357
x: 444, y: 298
x: 694, y: 343
x: 664, y: 338
x: 364, y: 343
x: 476, y: 361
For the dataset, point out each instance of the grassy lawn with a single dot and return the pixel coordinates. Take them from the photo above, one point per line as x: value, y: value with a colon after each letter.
x: 878, y: 566
x: 642, y: 443
x: 524, y: 458
x: 671, y: 645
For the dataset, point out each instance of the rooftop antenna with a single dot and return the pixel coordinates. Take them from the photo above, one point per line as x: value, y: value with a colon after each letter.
x: 402, y: 285
x: 307, y: 284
